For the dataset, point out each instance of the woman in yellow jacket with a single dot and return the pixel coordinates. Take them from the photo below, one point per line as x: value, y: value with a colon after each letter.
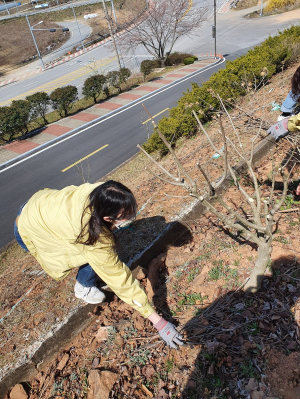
x: 72, y: 227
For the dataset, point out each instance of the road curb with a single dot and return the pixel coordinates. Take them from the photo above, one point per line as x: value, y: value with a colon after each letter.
x: 41, y: 147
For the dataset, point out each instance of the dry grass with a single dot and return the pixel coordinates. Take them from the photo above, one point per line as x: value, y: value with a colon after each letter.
x: 17, y: 45
x: 243, y: 4
x: 273, y: 9
x: 266, y: 13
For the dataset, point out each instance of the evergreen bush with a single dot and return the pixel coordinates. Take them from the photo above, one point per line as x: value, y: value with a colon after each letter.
x: 147, y: 67
x: 177, y: 58
x: 94, y: 86
x: 188, y: 61
x: 63, y: 98
x: 124, y: 74
x: 22, y: 109
x: 39, y: 103
x: 12, y: 122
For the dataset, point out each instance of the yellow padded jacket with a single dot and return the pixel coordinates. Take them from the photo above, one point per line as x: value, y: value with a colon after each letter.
x: 294, y: 123
x: 49, y: 225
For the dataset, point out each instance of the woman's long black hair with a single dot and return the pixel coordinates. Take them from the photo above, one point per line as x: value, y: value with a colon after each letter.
x: 296, y: 83
x: 111, y: 199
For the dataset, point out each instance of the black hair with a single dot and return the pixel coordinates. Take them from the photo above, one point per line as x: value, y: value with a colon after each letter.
x: 296, y: 83
x: 111, y: 199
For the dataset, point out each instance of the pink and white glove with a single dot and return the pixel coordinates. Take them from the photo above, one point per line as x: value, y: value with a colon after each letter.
x: 168, y: 333
x: 279, y: 129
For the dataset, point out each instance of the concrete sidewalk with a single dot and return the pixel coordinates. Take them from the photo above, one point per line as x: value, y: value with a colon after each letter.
x: 11, y: 151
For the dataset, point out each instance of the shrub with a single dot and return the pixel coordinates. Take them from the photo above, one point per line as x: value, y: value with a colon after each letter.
x: 22, y: 109
x: 147, y: 67
x: 177, y: 58
x: 94, y: 86
x: 124, y: 74
x: 11, y: 123
x: 277, y: 4
x: 116, y: 78
x: 113, y: 79
x: 188, y: 61
x: 63, y: 98
x: 235, y: 80
x: 39, y: 103
x: 178, y: 124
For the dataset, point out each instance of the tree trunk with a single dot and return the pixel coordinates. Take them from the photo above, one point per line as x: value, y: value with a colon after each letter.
x: 257, y: 274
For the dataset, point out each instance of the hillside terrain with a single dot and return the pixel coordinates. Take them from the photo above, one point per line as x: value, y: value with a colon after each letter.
x: 237, y: 345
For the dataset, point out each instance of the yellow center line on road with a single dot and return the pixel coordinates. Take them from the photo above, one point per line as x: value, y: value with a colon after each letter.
x: 188, y: 9
x: 148, y: 120
x: 48, y: 87
x: 82, y: 159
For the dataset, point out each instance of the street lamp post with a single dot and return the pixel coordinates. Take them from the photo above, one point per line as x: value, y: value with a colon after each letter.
x: 31, y: 31
x: 111, y: 33
x: 49, y: 29
x: 114, y: 12
x: 214, y: 27
x: 77, y: 26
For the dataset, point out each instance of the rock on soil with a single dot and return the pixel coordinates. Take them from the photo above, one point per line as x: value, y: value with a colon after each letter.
x: 18, y: 392
x: 101, y: 383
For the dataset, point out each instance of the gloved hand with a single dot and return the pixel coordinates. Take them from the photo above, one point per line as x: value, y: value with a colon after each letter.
x: 168, y: 333
x: 280, y: 129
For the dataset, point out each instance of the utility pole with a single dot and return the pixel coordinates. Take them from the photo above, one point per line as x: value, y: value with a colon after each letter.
x: 214, y: 27
x: 111, y: 33
x: 261, y: 8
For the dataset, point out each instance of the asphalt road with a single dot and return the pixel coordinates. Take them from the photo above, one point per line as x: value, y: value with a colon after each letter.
x: 122, y: 132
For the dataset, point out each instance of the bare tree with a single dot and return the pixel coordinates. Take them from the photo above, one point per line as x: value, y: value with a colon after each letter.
x: 162, y: 24
x: 260, y: 227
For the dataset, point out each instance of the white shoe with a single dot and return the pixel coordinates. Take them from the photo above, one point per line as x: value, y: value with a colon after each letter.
x: 88, y: 294
x: 281, y: 117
